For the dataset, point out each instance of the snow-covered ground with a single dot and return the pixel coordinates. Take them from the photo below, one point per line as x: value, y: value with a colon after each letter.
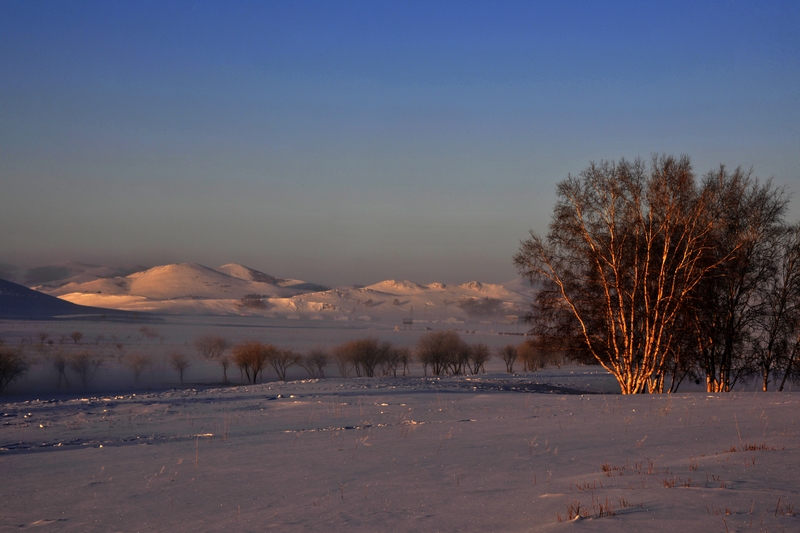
x: 495, y: 452
x: 492, y: 453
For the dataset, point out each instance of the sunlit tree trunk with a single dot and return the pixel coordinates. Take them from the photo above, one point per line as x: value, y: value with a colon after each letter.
x: 622, y: 255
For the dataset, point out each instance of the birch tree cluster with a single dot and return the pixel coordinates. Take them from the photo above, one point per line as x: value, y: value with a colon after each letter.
x: 661, y: 277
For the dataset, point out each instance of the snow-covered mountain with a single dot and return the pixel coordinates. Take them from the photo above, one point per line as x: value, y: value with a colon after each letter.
x: 181, y: 288
x: 234, y: 289
x: 248, y: 274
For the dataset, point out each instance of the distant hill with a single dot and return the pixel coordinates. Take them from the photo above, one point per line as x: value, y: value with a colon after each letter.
x: 248, y: 274
x: 180, y: 282
x: 233, y: 289
x: 17, y: 301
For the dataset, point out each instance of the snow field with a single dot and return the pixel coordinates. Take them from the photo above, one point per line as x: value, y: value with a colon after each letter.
x: 414, y: 454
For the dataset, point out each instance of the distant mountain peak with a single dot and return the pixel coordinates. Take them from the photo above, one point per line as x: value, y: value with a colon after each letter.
x: 392, y: 286
x: 174, y: 268
x: 246, y: 273
x: 472, y: 285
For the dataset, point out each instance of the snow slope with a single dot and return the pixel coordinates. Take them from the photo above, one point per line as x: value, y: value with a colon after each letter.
x: 184, y: 288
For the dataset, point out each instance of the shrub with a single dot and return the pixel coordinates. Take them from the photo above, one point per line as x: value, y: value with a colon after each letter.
x: 443, y: 351
x: 150, y: 334
x: 314, y: 362
x: 342, y: 359
x: 138, y: 362
x: 281, y: 360
x: 509, y: 355
x: 180, y: 363
x: 364, y: 355
x: 59, y: 361
x: 479, y: 354
x: 404, y: 358
x: 251, y: 357
x: 12, y: 366
x: 211, y: 346
x: 86, y: 365
x: 532, y: 358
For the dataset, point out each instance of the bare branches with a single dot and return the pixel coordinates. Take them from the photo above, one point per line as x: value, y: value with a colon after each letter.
x: 12, y: 366
x: 314, y: 362
x: 443, y: 351
x: 252, y: 357
x: 211, y: 346
x: 508, y: 354
x: 138, y: 363
x: 281, y: 360
x: 622, y: 254
x: 179, y: 362
x: 86, y: 365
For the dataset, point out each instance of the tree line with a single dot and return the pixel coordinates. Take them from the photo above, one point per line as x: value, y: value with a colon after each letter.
x: 439, y: 353
x: 661, y: 277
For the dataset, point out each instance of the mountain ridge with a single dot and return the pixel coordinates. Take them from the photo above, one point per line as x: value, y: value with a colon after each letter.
x: 234, y: 289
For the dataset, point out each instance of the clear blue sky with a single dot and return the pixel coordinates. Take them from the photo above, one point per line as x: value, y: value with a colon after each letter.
x: 349, y: 142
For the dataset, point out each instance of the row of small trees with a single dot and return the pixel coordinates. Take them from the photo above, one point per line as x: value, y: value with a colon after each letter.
x: 658, y: 277
x: 82, y: 363
x: 439, y: 352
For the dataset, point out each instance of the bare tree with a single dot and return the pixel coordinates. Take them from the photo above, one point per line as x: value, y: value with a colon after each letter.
x: 281, y: 360
x: 76, y: 337
x: 59, y: 361
x: 792, y: 367
x: 213, y: 347
x: 747, y: 220
x: 314, y: 362
x: 364, y: 355
x: 479, y: 355
x: 12, y: 366
x: 534, y: 359
x: 120, y: 346
x: 443, y: 351
x: 225, y: 363
x: 149, y: 333
x: 404, y: 358
x: 626, y: 248
x: 778, y: 333
x: 252, y: 357
x: 530, y: 357
x: 389, y: 360
x: 180, y: 363
x: 86, y: 366
x: 42, y: 335
x: 341, y: 357
x: 508, y: 354
x: 138, y: 362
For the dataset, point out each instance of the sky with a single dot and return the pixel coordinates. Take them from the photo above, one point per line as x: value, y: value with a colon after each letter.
x: 351, y: 142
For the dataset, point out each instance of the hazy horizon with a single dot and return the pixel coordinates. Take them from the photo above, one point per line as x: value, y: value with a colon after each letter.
x: 348, y: 143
